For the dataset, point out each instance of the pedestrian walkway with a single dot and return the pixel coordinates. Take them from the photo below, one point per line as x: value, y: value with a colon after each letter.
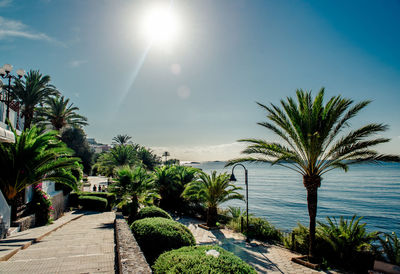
x: 265, y: 258
x: 84, y: 245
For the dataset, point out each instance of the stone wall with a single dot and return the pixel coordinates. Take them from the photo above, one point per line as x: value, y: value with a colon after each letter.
x: 25, y: 223
x: 58, y: 204
x: 130, y: 257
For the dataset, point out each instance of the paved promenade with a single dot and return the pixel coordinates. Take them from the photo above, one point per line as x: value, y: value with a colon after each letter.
x: 84, y: 245
x: 263, y: 257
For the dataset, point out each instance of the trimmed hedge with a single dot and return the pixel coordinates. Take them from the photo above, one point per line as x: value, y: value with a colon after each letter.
x: 73, y: 200
x: 152, y: 211
x: 111, y: 197
x: 157, y: 235
x: 93, y: 203
x: 195, y: 260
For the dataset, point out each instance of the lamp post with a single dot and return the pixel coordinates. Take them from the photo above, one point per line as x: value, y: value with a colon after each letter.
x: 233, y: 178
x: 5, y: 73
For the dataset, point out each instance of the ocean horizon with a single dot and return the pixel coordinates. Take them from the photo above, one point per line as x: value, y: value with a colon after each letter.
x: 371, y: 191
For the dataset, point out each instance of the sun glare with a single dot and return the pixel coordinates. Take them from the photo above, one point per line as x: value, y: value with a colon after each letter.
x: 160, y: 25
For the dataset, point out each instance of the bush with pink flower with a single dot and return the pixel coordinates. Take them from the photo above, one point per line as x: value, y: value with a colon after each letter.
x: 42, y: 206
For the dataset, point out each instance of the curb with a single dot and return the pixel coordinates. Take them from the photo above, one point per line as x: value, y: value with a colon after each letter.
x: 7, y: 256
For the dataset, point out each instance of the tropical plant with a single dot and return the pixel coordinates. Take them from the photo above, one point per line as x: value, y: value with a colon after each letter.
x: 59, y: 114
x: 212, y: 191
x: 34, y: 158
x: 166, y: 180
x: 390, y: 248
x: 313, y: 144
x: 147, y: 157
x: 122, y: 139
x: 32, y: 91
x: 133, y: 186
x: 118, y: 156
x: 346, y: 237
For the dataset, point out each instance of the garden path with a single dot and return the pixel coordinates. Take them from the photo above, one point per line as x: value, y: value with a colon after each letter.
x: 265, y: 258
x: 85, y: 245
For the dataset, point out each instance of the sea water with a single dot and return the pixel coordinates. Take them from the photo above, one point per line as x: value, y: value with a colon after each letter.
x: 277, y: 194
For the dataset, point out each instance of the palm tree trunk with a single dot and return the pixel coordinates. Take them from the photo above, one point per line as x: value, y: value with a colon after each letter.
x: 212, y: 216
x: 312, y: 183
x: 28, y: 119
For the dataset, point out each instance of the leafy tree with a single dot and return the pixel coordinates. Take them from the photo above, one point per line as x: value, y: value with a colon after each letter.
x: 172, y: 162
x: 212, y: 191
x: 33, y: 158
x: 59, y: 113
x: 75, y: 138
x: 313, y: 144
x: 32, y: 91
x: 390, y: 248
x: 122, y: 139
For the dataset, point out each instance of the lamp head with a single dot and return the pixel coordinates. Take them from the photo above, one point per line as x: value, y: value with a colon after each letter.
x: 232, y: 178
x: 20, y: 73
x: 8, y: 68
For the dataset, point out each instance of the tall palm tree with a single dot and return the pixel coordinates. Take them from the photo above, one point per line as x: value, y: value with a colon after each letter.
x: 32, y: 91
x: 313, y: 144
x: 212, y: 191
x: 59, y: 113
x: 33, y: 158
x: 122, y: 139
x: 166, y: 154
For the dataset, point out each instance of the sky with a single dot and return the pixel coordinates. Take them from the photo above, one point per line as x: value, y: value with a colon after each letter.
x: 195, y: 94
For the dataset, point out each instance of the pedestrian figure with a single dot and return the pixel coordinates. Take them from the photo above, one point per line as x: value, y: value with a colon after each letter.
x: 94, y: 188
x: 99, y: 188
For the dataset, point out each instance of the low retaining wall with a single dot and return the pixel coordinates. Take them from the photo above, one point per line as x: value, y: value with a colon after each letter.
x: 130, y: 257
x: 59, y: 205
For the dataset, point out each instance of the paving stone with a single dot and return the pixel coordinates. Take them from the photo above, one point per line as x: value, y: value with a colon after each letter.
x: 85, y: 245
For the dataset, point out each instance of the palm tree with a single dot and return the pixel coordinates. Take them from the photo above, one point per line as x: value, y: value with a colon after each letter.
x: 212, y: 191
x: 118, y: 156
x: 34, y: 90
x: 122, y: 139
x: 33, y: 158
x: 134, y: 185
x: 166, y: 181
x: 59, y: 114
x: 313, y: 144
x: 166, y: 154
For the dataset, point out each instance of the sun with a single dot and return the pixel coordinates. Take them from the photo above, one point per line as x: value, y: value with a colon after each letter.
x: 160, y: 25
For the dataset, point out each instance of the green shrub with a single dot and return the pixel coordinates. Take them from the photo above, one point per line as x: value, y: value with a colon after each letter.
x: 93, y: 203
x: 111, y: 197
x: 261, y: 229
x: 157, y: 235
x: 152, y: 211
x: 195, y: 260
x: 390, y: 248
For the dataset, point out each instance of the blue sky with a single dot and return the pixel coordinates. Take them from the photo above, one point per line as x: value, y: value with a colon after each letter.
x: 197, y: 96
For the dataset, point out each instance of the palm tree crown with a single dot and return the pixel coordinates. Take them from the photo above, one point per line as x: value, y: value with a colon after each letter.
x: 313, y: 143
x: 59, y: 114
x: 34, y: 90
x: 33, y: 158
x: 122, y: 139
x: 212, y: 191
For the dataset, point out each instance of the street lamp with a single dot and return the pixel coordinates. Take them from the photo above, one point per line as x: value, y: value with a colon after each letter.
x: 5, y: 73
x: 233, y: 178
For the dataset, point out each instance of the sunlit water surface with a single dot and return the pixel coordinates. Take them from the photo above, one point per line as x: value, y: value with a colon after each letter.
x: 278, y: 194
